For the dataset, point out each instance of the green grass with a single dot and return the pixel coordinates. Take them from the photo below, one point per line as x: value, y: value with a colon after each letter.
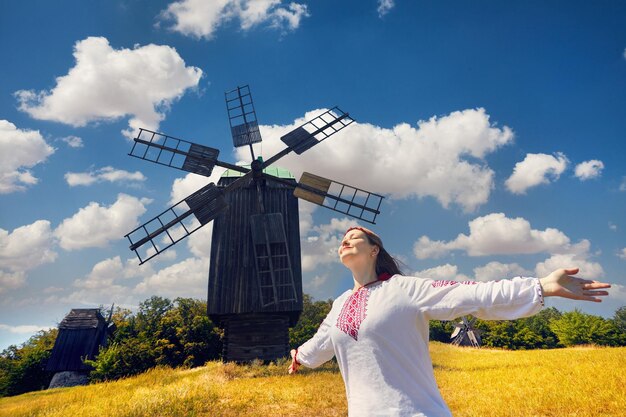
x: 474, y: 382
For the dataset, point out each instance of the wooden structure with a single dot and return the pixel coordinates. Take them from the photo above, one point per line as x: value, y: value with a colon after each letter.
x: 81, y: 334
x: 255, y: 320
x: 255, y: 282
x: 465, y: 334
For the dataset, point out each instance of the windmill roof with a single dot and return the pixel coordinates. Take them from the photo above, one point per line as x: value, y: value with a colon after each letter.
x: 82, y: 318
x: 271, y: 170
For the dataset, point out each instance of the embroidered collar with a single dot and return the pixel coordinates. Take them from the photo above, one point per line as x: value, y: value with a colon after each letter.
x: 354, y: 309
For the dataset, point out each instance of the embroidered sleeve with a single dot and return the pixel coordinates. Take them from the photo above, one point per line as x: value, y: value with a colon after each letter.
x: 319, y: 348
x: 506, y: 299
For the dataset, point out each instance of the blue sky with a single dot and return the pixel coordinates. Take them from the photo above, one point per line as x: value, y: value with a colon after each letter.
x: 495, y: 130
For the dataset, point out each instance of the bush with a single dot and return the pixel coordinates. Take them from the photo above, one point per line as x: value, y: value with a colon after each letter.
x: 162, y: 333
x: 22, y: 368
x: 578, y: 328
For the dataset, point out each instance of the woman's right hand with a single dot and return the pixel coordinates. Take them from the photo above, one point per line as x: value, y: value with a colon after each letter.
x: 293, y: 368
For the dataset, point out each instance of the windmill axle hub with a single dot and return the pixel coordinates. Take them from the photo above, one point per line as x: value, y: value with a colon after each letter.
x: 257, y: 168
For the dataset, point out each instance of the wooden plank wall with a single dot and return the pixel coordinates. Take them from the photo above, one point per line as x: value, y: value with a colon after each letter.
x: 261, y: 336
x: 232, y: 285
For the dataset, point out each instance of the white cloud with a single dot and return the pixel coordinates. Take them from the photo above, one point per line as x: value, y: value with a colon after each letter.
x: 305, y: 210
x: 617, y: 292
x: 622, y: 254
x: 441, y: 158
x: 315, y: 284
x: 26, y: 248
x: 589, y: 169
x: 200, y: 19
x: 184, y: 279
x: 612, y: 226
x: 496, y: 234
x: 622, y: 186
x: 20, y: 150
x: 96, y: 225
x: 190, y: 183
x: 496, y: 270
x: 447, y: 272
x: 73, y: 141
x: 425, y: 248
x: 103, y: 174
x: 199, y: 242
x: 102, y: 274
x: 588, y: 269
x: 107, y: 283
x: 23, y: 329
x: 108, y: 84
x: 384, y: 6
x: 106, y: 272
x: 536, y: 169
x: 11, y: 280
x: 624, y: 53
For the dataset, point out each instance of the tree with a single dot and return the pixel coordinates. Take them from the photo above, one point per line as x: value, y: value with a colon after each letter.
x: 539, y: 325
x: 313, y: 313
x: 162, y: 333
x: 577, y: 328
x: 22, y: 368
x: 440, y: 330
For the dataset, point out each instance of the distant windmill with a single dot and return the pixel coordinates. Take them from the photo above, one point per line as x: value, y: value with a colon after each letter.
x: 81, y: 335
x: 465, y: 334
x: 255, y: 277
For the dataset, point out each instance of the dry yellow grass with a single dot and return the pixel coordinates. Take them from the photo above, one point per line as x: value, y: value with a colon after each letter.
x: 475, y: 382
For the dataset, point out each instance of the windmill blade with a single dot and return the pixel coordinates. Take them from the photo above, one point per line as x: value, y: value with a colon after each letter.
x: 177, y: 153
x: 244, y: 126
x: 316, y: 130
x: 455, y: 333
x: 472, y: 339
x: 177, y: 222
x: 339, y: 197
x: 173, y: 152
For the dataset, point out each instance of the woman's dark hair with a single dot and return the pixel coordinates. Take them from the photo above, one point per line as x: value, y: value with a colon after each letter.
x: 385, y: 263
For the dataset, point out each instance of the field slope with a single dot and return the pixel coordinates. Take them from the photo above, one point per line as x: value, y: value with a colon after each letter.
x: 475, y: 382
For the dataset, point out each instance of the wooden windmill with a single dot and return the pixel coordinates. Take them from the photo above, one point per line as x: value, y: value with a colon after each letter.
x: 255, y: 278
x: 81, y: 334
x: 465, y: 334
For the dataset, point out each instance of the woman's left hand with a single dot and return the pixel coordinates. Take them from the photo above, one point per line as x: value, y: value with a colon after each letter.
x: 560, y: 283
x: 293, y: 368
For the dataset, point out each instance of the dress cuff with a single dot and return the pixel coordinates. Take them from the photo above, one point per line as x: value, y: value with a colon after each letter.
x: 539, y: 291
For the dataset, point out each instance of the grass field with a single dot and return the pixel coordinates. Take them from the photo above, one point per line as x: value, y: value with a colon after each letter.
x: 475, y: 382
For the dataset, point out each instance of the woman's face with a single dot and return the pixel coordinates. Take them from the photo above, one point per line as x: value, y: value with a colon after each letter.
x: 355, y: 247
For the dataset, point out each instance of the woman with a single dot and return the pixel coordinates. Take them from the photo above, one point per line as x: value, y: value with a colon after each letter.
x: 379, y: 330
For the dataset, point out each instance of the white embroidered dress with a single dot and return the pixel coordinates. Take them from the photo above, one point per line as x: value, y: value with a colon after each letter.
x: 379, y: 335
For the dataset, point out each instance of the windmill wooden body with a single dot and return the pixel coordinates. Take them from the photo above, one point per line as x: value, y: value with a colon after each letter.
x: 81, y: 334
x: 255, y: 279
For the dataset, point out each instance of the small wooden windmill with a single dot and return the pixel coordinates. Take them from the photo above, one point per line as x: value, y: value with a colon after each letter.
x: 465, y: 334
x: 81, y: 334
x: 255, y: 279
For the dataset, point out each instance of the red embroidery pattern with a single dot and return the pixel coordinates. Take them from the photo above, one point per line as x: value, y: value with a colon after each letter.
x: 353, y: 313
x: 445, y: 283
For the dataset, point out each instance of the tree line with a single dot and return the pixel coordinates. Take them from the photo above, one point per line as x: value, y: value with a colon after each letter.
x: 178, y: 333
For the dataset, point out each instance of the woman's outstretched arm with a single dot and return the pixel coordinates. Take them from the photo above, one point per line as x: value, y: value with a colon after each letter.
x: 561, y: 283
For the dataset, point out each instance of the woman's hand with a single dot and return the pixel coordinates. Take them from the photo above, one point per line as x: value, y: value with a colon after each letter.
x: 560, y: 283
x: 293, y: 368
